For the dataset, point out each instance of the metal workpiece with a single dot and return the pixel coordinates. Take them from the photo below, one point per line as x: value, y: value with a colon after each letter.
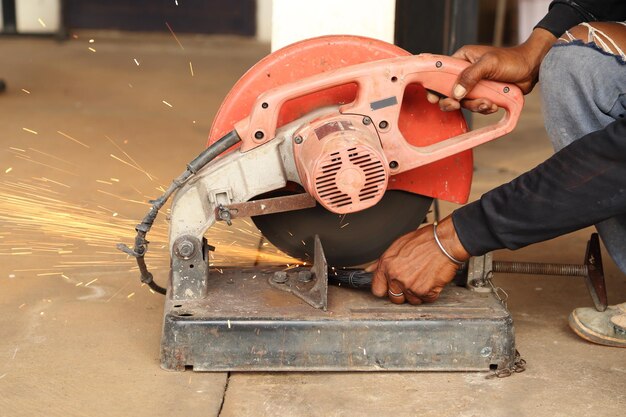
x: 244, y: 324
x: 310, y: 285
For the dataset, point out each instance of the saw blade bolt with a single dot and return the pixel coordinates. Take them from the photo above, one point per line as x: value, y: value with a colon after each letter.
x: 184, y: 248
x: 367, y: 120
x: 298, y: 139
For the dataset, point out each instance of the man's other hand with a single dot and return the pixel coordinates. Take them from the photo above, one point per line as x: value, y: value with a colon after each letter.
x: 414, y: 268
x: 518, y: 65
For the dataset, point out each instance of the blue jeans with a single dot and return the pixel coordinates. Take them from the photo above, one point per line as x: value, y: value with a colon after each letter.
x: 583, y: 90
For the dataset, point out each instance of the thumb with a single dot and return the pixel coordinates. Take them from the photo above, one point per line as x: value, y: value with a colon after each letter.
x: 379, y: 283
x: 470, y: 76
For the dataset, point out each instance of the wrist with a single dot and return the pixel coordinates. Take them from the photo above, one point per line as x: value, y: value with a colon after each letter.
x: 536, y: 47
x: 450, y: 241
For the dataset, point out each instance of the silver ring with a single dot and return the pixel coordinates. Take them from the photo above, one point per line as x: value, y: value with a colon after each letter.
x: 393, y: 294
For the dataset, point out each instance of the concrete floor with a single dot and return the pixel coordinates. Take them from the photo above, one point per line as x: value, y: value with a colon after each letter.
x: 79, y: 336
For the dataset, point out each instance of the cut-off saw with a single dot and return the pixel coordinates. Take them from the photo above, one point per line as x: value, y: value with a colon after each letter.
x: 326, y: 132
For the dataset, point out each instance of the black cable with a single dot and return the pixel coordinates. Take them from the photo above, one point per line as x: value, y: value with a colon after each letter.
x: 358, y: 278
x: 140, y: 247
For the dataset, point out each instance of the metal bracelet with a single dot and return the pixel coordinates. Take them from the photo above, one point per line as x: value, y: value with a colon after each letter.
x: 445, y: 252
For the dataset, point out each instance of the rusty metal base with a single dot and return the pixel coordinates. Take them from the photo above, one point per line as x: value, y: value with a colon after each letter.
x: 246, y: 325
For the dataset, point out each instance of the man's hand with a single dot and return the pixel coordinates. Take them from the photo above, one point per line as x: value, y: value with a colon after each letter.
x: 415, y: 267
x: 518, y: 65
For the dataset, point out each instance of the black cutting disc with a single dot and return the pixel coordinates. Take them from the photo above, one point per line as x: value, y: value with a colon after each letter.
x: 348, y: 240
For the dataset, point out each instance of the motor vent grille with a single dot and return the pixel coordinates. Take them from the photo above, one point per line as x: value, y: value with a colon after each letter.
x: 351, y: 179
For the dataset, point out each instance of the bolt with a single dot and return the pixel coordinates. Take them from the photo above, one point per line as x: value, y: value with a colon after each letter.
x: 280, y: 277
x: 438, y: 64
x: 265, y: 105
x: 225, y: 215
x: 486, y: 351
x: 393, y: 164
x: 305, y: 276
x: 506, y: 89
x: 184, y: 247
x: 298, y: 139
x: 258, y: 134
x: 383, y: 124
x: 367, y: 120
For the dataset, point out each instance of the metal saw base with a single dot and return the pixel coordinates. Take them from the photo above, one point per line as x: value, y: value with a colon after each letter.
x: 246, y: 325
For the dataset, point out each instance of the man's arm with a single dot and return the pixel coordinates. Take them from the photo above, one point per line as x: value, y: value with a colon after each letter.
x: 579, y: 186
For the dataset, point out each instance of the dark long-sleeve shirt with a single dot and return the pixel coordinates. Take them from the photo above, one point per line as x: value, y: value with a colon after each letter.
x: 579, y: 186
x: 564, y: 14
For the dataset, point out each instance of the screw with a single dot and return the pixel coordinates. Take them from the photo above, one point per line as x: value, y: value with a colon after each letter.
x: 298, y: 139
x: 280, y: 277
x: 438, y: 64
x: 393, y: 164
x: 506, y: 89
x: 258, y: 134
x: 383, y: 124
x: 486, y: 351
x: 367, y: 120
x: 265, y: 105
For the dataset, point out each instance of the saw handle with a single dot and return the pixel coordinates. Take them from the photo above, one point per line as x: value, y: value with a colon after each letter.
x: 381, y: 86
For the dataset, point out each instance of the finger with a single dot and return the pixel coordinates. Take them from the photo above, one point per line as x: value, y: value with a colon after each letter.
x: 412, y: 298
x: 431, y: 297
x: 471, y: 53
x: 493, y: 109
x: 379, y: 283
x: 449, y: 104
x: 432, y: 98
x: 396, y: 292
x: 470, y: 76
x: 460, y: 53
x: 480, y: 105
x: 426, y: 296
